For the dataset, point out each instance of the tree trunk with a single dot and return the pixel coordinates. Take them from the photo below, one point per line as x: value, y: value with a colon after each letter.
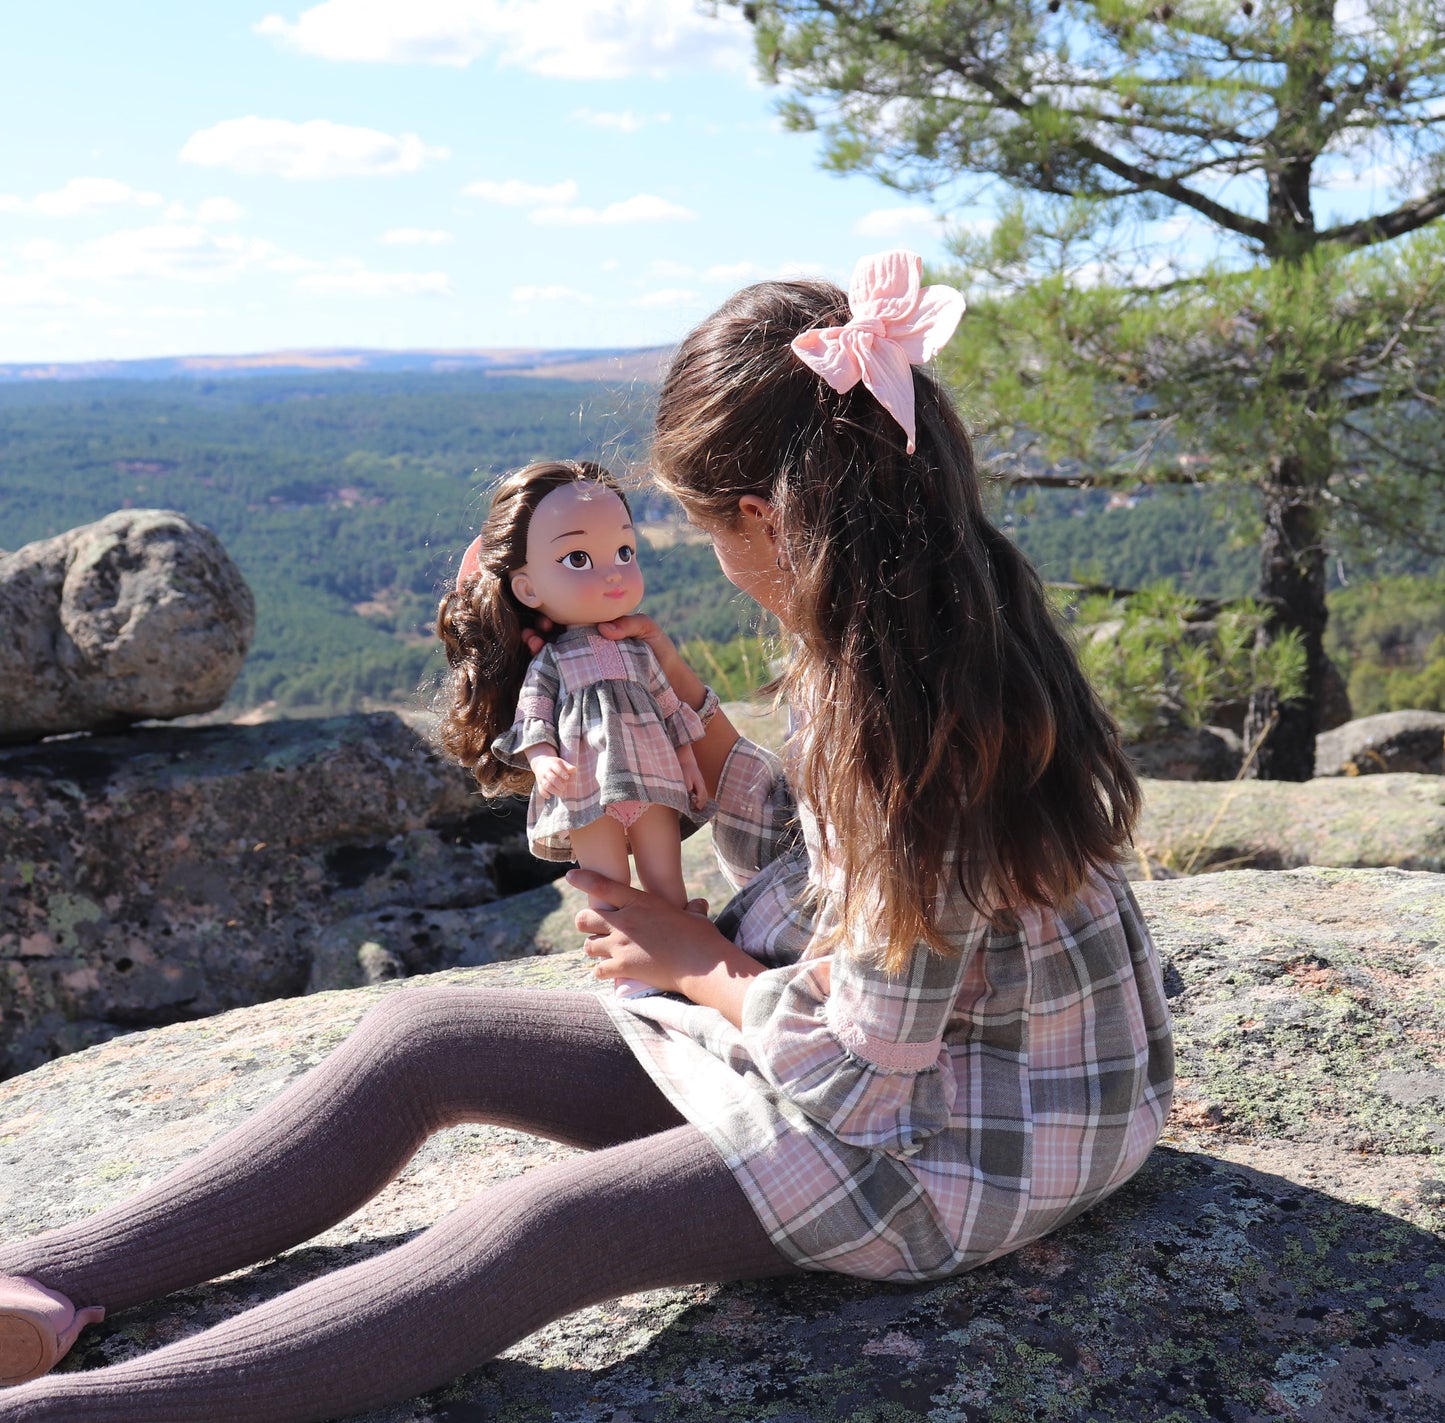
x: 1292, y: 585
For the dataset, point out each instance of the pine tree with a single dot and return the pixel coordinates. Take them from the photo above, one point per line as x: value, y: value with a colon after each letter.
x: 1303, y: 361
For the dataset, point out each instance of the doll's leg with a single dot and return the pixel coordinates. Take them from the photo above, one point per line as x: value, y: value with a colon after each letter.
x: 547, y: 1062
x: 602, y: 846
x: 657, y: 848
x: 658, y: 1211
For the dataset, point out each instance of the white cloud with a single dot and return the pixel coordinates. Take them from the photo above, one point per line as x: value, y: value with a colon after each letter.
x: 219, y: 210
x: 168, y: 251
x: 642, y: 208
x: 417, y: 237
x: 80, y: 196
x: 528, y: 294
x: 184, y: 313
x: 667, y: 296
x: 207, y: 211
x: 513, y: 193
x: 624, y: 122
x: 894, y: 222
x: 734, y: 272
x: 32, y: 289
x: 315, y: 149
x: 360, y: 281
x: 570, y: 39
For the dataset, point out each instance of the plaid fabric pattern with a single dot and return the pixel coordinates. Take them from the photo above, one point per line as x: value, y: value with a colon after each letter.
x: 608, y: 709
x: 910, y: 1126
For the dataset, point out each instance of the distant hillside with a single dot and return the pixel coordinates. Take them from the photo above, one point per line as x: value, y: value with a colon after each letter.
x: 347, y: 496
x: 627, y: 364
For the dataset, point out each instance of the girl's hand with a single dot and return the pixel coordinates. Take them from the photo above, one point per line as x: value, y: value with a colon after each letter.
x: 533, y: 638
x: 552, y: 773
x: 692, y: 777
x: 676, y: 950
x: 639, y: 625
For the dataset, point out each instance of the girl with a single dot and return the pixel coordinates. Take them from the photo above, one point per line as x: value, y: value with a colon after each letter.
x: 928, y: 1029
x: 596, y: 734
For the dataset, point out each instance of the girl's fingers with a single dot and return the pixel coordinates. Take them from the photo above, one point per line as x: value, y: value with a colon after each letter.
x: 599, y: 886
x: 630, y: 625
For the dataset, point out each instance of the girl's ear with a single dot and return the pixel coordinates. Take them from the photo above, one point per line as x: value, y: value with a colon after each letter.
x: 759, y: 520
x: 523, y: 590
x: 757, y: 513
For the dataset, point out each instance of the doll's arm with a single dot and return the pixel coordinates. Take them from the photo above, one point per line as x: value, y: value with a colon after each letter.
x: 683, y: 724
x: 534, y: 725
x: 692, y: 777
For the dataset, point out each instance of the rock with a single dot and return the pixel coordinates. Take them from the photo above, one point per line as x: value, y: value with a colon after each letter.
x: 171, y: 873
x: 1279, y: 1257
x: 1274, y: 825
x: 139, y: 615
x: 1210, y: 753
x: 1391, y: 741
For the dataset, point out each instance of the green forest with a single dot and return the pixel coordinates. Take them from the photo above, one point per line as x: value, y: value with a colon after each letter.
x: 346, y: 500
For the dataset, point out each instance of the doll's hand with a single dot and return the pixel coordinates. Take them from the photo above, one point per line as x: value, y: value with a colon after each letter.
x: 692, y: 777
x: 552, y: 773
x: 676, y: 950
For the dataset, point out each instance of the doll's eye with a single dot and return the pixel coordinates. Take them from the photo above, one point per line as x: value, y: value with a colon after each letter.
x: 626, y: 554
x: 576, y: 559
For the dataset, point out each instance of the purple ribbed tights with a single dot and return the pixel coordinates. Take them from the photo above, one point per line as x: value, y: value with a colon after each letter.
x: 650, y: 1204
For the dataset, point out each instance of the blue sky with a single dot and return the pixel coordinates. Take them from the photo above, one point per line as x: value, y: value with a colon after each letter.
x: 248, y: 175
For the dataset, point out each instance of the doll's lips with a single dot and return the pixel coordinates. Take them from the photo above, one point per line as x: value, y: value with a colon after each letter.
x: 614, y: 593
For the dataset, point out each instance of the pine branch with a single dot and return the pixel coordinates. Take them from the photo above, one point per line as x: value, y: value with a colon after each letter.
x: 1141, y: 180
x: 1387, y: 226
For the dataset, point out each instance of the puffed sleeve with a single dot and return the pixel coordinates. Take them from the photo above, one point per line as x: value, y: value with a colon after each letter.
x: 684, y: 726
x: 861, y: 1050
x: 756, y: 819
x: 535, y: 723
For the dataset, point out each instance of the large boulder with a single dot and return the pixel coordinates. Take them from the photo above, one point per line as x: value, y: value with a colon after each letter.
x: 174, y: 872
x: 141, y: 614
x: 1278, y: 825
x: 1391, y: 741
x: 1206, y: 753
x: 1279, y: 1258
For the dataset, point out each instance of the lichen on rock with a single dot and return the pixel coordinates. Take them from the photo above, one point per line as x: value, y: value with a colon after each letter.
x: 1279, y: 1257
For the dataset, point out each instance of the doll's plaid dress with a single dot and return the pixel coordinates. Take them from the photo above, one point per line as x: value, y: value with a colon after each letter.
x: 906, y: 1127
x: 607, y: 708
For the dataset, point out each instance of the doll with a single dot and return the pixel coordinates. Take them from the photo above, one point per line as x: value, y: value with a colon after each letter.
x: 589, y: 725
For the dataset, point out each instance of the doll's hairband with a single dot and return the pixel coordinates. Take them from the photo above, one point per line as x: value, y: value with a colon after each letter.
x: 471, y: 562
x: 896, y: 323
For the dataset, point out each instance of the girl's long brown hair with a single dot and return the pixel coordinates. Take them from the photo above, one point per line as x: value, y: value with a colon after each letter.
x: 950, y: 725
x: 481, y: 626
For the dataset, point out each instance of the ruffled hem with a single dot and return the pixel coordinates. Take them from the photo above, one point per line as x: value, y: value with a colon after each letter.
x: 511, y: 745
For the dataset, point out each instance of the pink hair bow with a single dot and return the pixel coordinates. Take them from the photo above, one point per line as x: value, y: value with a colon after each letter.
x: 896, y: 324
x: 471, y: 562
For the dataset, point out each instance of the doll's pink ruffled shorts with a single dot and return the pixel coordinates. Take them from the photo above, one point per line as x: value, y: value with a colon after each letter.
x: 626, y: 812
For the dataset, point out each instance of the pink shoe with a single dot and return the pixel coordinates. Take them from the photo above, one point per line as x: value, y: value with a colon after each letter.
x: 37, y: 1328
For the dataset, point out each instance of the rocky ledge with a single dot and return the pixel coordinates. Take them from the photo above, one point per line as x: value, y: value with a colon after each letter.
x: 169, y: 873
x: 1279, y: 1258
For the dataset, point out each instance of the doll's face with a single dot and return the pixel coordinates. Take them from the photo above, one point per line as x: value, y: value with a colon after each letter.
x: 581, y: 557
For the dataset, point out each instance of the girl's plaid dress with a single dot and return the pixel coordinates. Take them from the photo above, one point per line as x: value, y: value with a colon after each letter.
x: 910, y: 1126
x: 609, y: 710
